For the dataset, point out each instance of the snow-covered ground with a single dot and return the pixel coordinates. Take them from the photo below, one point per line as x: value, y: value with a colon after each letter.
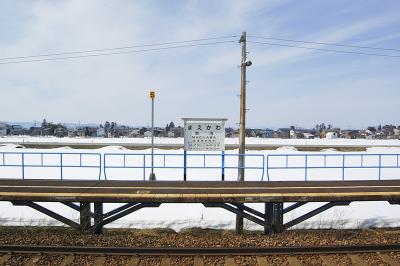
x: 179, y: 141
x: 178, y: 216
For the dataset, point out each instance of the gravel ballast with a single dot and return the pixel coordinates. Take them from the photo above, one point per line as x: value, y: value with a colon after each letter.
x: 196, y: 237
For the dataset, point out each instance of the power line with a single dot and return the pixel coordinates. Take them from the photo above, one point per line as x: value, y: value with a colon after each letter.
x: 324, y: 43
x: 323, y: 49
x: 116, y: 48
x: 114, y: 53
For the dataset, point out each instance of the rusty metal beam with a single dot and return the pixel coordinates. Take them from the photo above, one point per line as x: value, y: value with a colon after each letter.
x: 293, y: 206
x: 126, y: 212
x: 47, y: 212
x: 315, y: 212
x: 236, y: 211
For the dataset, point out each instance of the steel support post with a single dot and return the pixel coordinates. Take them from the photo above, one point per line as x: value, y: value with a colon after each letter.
x: 85, y: 220
x: 98, y: 218
x: 274, y: 217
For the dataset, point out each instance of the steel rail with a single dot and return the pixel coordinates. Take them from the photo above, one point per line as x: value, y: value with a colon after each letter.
x: 179, y: 251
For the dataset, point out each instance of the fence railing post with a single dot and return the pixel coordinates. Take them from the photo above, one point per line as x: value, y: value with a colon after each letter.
x: 61, y: 165
x: 380, y: 166
x: 305, y: 168
x: 23, y: 165
x: 343, y: 162
x: 267, y: 167
x: 223, y: 166
x: 184, y: 164
x: 144, y: 167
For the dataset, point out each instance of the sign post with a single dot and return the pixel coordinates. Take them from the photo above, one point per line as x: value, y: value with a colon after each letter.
x: 204, y: 134
x: 152, y: 175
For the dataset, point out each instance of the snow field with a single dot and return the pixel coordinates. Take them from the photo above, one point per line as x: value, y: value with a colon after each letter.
x: 179, y: 216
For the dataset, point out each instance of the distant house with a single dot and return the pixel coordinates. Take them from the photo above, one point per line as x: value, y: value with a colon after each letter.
x: 60, y: 132
x: 231, y: 132
x: 16, y: 130
x: 348, y: 134
x: 3, y: 129
x: 35, y: 131
x: 396, y: 132
x: 170, y: 134
x: 307, y: 135
x: 134, y: 132
x: 178, y: 132
x: 261, y: 133
x: 283, y: 133
x: 332, y: 135
x: 100, y: 133
x: 267, y: 133
x: 302, y: 134
x: 147, y: 134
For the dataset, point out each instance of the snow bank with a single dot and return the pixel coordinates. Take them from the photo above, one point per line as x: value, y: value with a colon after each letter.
x: 181, y: 216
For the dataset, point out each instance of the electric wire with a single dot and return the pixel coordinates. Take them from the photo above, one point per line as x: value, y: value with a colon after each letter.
x: 117, y: 48
x: 323, y: 49
x: 114, y: 53
x: 324, y: 43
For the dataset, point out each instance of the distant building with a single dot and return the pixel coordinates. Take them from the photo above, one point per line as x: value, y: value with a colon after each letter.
x: 283, y: 133
x: 101, y: 133
x: 302, y: 134
x: 16, y: 130
x: 60, y: 132
x: 170, y: 134
x: 307, y: 135
x: 147, y: 134
x: 3, y: 129
x: 332, y: 135
x: 134, y: 132
x: 348, y: 134
x: 178, y: 132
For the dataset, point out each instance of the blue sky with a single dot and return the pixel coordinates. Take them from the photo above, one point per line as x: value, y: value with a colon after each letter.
x: 287, y: 86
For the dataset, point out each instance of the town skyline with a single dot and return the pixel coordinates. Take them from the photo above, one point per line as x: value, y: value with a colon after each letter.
x: 172, y: 130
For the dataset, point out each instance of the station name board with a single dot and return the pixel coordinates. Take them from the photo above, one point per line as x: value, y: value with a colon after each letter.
x: 204, y: 135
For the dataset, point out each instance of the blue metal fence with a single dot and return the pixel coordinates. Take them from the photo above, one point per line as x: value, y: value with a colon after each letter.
x: 306, y: 165
x: 111, y: 158
x: 19, y: 159
x: 141, y: 161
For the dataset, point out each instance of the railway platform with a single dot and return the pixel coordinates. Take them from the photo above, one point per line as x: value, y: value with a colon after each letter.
x: 88, y: 197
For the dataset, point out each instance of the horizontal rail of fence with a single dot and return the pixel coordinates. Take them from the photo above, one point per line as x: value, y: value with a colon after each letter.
x: 60, y: 160
x: 186, y: 160
x: 306, y: 162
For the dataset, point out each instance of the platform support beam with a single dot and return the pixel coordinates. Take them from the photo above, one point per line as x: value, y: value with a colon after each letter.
x: 119, y: 209
x: 98, y: 218
x: 47, y: 212
x: 315, y: 212
x: 274, y: 217
x: 293, y: 206
x: 129, y: 210
x: 239, y: 211
x: 75, y: 207
x: 84, y: 218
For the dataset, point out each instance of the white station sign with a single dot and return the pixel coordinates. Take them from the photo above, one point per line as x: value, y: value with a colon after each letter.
x: 204, y: 134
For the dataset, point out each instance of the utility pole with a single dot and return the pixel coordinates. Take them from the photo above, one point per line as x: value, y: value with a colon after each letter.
x: 242, y: 127
x: 152, y: 175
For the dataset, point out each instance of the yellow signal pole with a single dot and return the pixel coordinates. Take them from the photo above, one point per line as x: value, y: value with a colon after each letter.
x: 152, y: 97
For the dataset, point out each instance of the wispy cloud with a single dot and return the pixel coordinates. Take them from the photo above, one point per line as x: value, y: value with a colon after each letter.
x: 201, y: 81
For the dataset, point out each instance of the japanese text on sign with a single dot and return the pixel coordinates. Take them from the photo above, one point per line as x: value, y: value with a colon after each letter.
x: 204, y: 136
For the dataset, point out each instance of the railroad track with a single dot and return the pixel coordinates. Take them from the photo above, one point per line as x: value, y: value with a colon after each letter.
x: 133, y: 255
